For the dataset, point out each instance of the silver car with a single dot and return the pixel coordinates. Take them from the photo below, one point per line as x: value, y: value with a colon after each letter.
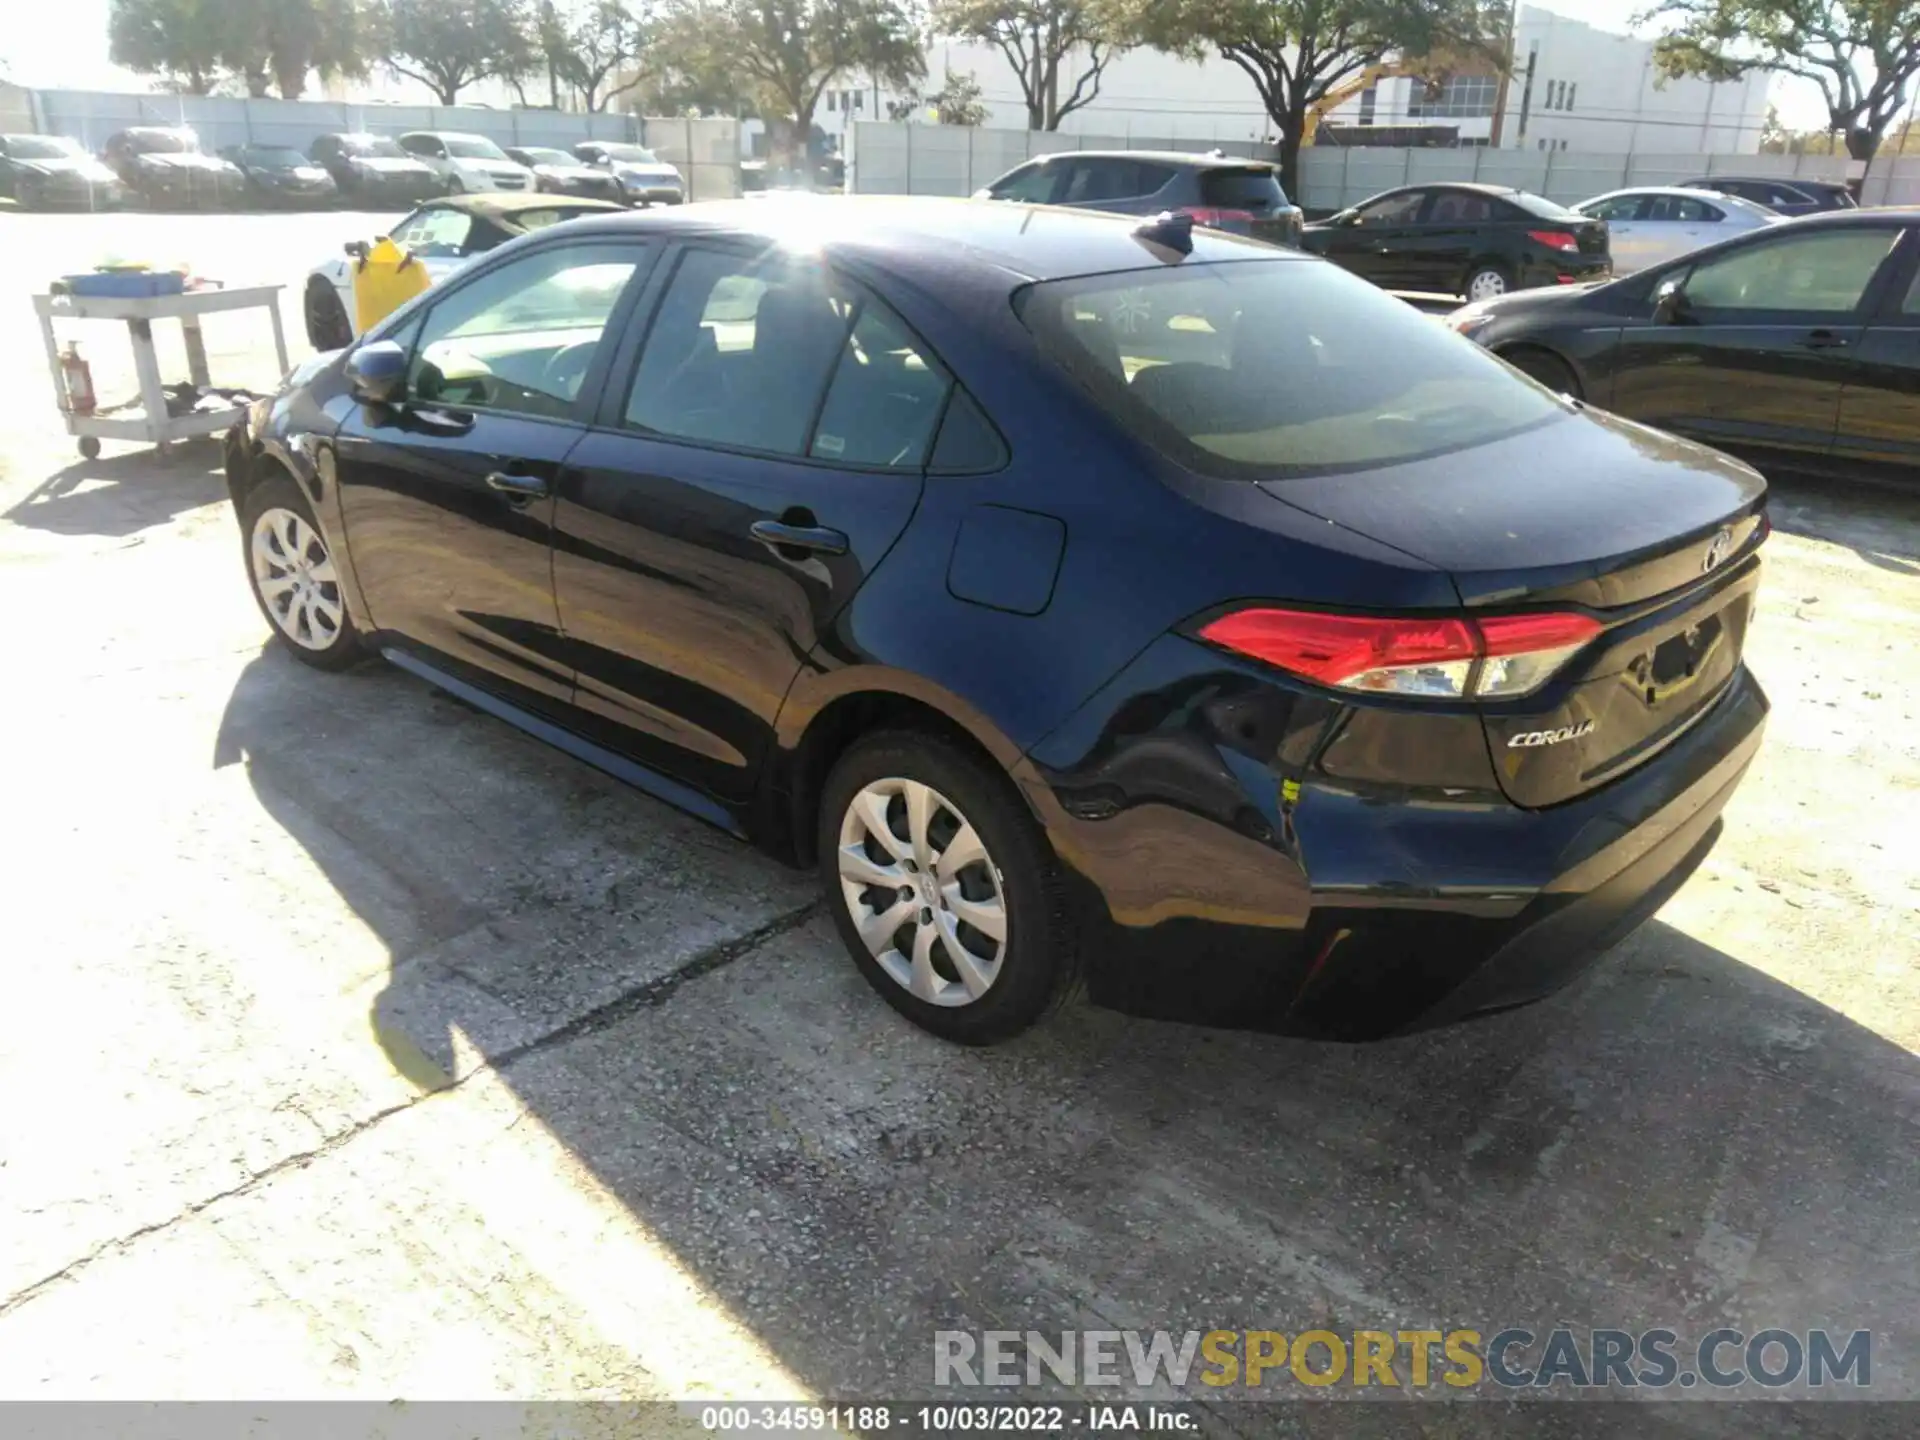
x: 1654, y: 223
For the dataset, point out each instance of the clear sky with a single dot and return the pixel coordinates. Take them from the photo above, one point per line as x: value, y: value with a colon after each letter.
x: 70, y: 50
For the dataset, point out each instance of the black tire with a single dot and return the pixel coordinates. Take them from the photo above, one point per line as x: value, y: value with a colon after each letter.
x: 342, y: 647
x: 1546, y: 367
x: 1039, y: 960
x: 327, y: 325
x: 1485, y: 271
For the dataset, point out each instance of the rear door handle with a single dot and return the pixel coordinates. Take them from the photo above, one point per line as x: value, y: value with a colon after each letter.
x: 1824, y: 340
x: 520, y: 488
x: 815, y: 538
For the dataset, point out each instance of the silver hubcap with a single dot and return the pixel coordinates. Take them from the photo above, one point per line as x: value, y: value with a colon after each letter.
x: 295, y: 577
x: 923, y: 892
x: 1486, y: 285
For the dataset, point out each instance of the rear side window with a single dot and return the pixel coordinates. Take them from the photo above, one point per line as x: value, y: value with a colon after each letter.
x: 968, y: 443
x: 886, y: 396
x: 1680, y: 208
x: 1262, y: 370
x: 782, y: 356
x: 1456, y: 207
x: 1255, y: 188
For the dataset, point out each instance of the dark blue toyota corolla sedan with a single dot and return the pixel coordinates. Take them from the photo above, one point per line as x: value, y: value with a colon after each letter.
x: 1088, y: 599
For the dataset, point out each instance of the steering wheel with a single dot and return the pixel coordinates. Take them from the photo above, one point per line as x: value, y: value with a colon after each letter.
x: 566, y: 368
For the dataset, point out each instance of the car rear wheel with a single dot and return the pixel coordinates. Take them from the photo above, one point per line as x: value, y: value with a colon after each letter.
x: 327, y: 325
x: 1484, y: 282
x: 291, y: 571
x: 1549, y: 369
x: 943, y: 888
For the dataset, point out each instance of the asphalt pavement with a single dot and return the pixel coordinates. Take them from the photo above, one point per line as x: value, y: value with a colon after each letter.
x: 357, y: 1045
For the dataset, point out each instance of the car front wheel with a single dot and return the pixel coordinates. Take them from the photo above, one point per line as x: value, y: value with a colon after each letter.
x: 291, y: 571
x: 327, y: 325
x: 943, y: 888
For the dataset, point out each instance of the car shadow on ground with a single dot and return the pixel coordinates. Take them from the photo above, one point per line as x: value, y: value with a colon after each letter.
x: 1680, y: 1140
x: 1876, y: 522
x: 118, y: 495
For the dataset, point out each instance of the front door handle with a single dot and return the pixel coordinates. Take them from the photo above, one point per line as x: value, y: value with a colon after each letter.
x: 1824, y: 340
x: 815, y: 539
x: 518, y: 488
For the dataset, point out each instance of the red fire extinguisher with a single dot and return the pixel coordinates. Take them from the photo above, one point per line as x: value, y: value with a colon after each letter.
x: 77, y: 380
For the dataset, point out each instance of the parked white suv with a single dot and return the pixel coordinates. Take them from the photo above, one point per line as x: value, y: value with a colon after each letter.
x: 467, y: 163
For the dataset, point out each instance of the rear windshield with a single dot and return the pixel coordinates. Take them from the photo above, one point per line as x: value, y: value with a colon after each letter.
x: 1251, y: 189
x: 1540, y: 207
x: 1269, y: 369
x: 272, y: 155
x: 637, y: 154
x: 374, y: 146
x: 540, y: 155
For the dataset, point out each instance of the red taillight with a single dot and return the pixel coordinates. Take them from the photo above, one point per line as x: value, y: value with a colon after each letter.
x: 1207, y: 215
x: 1556, y: 240
x: 1439, y: 657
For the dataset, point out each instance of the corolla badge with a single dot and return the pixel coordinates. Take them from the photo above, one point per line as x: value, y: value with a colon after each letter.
x: 1718, y: 549
x: 1528, y: 739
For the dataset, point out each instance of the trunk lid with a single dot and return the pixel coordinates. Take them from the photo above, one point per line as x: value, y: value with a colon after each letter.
x: 1652, y: 537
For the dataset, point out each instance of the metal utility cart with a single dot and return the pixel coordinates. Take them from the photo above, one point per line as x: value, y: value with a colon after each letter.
x: 152, y: 423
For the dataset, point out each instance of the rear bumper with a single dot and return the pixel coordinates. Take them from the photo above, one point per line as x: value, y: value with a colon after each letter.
x: 1346, y: 913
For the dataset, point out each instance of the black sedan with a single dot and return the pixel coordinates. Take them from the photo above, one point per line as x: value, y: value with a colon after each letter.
x: 372, y: 170
x: 1242, y: 197
x: 1472, y: 240
x: 1797, y: 345
x: 558, y: 173
x: 41, y: 172
x: 280, y: 176
x: 1235, y: 658
x: 164, y: 167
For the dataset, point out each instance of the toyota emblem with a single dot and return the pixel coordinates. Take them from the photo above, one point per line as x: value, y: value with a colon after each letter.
x: 1717, y: 549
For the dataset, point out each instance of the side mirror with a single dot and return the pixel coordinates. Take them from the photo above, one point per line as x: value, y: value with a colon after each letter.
x: 377, y: 372
x: 1670, y: 303
x: 356, y: 249
x: 1347, y: 217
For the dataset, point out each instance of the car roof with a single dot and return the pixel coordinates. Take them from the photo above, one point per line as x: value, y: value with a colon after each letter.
x: 448, y: 134
x: 931, y: 241
x: 1685, y: 191
x: 1198, y: 160
x: 504, y: 205
x: 1788, y: 182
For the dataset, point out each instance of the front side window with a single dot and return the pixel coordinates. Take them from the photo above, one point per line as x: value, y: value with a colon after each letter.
x: 781, y: 356
x: 1271, y: 369
x: 1826, y: 273
x: 1402, y: 209
x: 1620, y: 208
x: 521, y: 337
x: 1032, y: 185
